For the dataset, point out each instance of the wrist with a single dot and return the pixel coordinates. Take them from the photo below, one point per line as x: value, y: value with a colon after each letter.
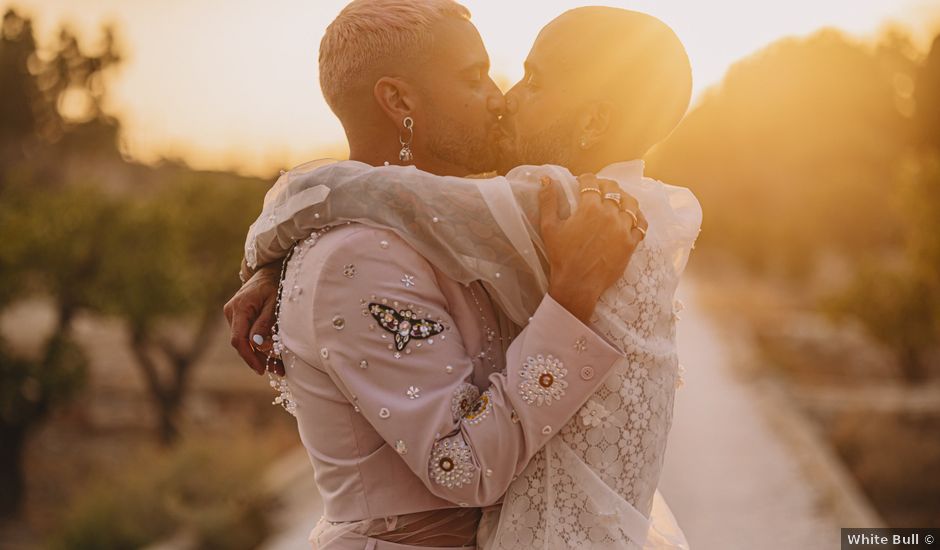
x: 576, y: 301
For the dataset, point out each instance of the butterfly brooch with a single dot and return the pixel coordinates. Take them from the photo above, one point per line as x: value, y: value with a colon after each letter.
x: 404, y: 324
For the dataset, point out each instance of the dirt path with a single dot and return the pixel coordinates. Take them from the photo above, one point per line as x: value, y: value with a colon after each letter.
x: 730, y: 480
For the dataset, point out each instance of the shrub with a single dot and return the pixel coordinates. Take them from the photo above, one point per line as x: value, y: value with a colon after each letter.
x: 210, y: 489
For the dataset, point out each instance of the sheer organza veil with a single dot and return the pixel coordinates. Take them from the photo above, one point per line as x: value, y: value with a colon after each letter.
x: 594, y: 484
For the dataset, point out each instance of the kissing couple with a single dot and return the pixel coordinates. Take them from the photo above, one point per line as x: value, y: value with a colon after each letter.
x: 478, y: 360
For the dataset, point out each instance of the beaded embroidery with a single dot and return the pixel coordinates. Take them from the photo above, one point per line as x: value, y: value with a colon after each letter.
x: 464, y: 397
x: 404, y: 324
x: 480, y: 409
x: 451, y: 463
x: 542, y: 380
x: 284, y: 396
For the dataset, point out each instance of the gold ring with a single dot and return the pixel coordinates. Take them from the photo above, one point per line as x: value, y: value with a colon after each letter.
x: 591, y: 189
x: 615, y: 197
x: 636, y: 221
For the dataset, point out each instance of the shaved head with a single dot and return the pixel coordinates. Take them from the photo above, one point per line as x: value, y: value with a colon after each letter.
x: 604, y: 83
x: 629, y: 58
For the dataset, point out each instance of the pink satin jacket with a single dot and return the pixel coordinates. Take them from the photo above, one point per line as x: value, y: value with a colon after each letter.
x: 386, y: 359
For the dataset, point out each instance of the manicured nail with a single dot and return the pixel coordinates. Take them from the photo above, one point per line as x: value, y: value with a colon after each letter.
x: 257, y: 339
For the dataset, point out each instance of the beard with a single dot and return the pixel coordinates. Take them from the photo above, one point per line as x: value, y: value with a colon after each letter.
x: 552, y: 145
x: 461, y: 144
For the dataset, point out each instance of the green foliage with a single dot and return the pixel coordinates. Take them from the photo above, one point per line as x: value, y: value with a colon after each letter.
x: 56, y: 236
x: 51, y: 248
x: 207, y: 488
x: 794, y: 154
x: 899, y: 302
x: 29, y: 387
x: 176, y: 253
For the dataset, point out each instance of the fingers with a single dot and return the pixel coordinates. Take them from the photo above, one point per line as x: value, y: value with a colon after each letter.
x: 589, y: 189
x: 641, y: 220
x: 261, y: 332
x: 228, y: 309
x: 241, y: 321
x: 641, y: 227
x: 548, y: 206
x: 609, y: 186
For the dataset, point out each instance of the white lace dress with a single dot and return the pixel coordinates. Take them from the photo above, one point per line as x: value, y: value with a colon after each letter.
x: 595, y: 484
x: 574, y: 492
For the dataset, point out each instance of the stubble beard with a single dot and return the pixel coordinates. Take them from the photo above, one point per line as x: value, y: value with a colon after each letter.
x: 551, y: 145
x: 462, y: 145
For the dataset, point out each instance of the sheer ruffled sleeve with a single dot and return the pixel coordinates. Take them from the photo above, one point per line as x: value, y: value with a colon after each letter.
x: 471, y: 229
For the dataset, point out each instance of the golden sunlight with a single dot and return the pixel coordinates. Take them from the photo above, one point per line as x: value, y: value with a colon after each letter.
x: 232, y: 85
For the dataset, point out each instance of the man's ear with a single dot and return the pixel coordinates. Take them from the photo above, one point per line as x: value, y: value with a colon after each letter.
x: 395, y: 98
x: 595, y: 123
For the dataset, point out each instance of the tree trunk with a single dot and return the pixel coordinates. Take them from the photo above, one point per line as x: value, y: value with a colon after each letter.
x: 913, y: 367
x: 12, y: 484
x: 13, y: 434
x: 169, y: 392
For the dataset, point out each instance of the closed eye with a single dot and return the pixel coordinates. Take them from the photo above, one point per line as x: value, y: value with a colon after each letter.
x: 530, y: 80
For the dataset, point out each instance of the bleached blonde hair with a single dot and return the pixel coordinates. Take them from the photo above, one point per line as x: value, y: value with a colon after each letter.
x: 368, y: 34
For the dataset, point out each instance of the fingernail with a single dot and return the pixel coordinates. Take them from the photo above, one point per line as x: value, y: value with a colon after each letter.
x: 257, y: 339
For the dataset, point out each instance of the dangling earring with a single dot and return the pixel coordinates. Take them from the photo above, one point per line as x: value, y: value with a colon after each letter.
x: 405, y: 154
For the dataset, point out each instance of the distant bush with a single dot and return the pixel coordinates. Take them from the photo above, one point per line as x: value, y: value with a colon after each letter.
x: 899, y: 302
x: 794, y: 155
x: 210, y: 490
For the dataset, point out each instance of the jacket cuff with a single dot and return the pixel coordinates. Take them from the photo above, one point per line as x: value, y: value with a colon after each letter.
x: 561, y: 321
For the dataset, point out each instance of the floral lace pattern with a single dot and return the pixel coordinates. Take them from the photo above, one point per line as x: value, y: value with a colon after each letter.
x: 619, y: 434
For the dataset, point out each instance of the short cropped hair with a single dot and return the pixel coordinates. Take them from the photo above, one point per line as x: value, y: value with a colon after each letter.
x: 369, y: 33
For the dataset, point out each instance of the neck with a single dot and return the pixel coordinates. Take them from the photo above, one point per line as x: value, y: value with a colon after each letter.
x: 440, y: 167
x: 596, y: 159
x: 374, y: 154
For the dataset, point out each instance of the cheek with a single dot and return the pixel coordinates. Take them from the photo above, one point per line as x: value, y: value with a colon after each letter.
x: 532, y: 116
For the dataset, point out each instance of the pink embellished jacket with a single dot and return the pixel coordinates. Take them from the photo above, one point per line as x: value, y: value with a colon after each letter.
x: 385, y: 360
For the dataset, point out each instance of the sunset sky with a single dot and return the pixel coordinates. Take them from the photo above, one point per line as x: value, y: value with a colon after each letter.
x: 233, y: 84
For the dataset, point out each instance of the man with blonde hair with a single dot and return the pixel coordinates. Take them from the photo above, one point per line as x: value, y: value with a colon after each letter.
x: 417, y: 396
x: 385, y: 61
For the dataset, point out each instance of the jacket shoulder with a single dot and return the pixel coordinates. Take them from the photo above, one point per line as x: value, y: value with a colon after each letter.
x: 358, y: 241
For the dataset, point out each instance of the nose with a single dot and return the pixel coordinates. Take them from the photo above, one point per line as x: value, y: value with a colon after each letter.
x: 496, y: 103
